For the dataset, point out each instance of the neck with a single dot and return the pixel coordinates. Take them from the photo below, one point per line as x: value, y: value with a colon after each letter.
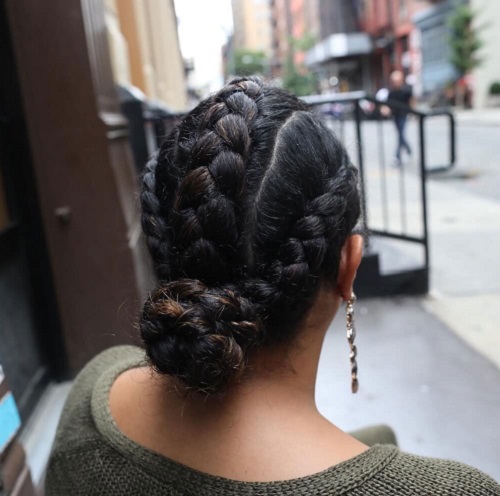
x: 277, y: 375
x: 284, y: 379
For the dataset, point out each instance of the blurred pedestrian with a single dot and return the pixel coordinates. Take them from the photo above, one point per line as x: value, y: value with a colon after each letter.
x: 401, y: 94
x: 382, y: 95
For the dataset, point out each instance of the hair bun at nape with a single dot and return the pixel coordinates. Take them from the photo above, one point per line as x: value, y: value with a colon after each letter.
x: 199, y: 335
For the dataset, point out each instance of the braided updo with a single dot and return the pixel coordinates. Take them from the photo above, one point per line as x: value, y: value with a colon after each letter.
x: 245, y: 209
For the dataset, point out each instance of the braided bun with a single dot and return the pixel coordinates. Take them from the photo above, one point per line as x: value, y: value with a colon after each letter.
x: 198, y: 334
x: 245, y: 210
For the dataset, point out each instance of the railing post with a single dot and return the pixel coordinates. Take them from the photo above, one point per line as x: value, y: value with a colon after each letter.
x: 423, y: 184
x: 452, y: 140
x: 383, y: 173
x: 359, y: 143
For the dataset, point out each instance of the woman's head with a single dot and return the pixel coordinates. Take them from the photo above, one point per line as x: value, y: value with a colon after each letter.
x: 246, y: 208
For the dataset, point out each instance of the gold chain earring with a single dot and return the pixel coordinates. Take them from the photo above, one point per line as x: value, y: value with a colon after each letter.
x: 351, y: 335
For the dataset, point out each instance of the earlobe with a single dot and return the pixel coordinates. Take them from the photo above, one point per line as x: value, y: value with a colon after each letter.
x: 351, y: 256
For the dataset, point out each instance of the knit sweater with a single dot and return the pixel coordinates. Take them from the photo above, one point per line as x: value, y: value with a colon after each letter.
x: 91, y: 456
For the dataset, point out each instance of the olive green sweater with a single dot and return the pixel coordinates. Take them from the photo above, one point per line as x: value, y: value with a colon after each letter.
x: 92, y: 457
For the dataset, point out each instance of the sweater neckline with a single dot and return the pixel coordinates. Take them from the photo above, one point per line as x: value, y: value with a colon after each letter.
x: 337, y: 479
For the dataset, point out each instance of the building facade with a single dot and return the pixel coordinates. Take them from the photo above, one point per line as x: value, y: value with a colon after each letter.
x: 298, y: 28
x: 73, y: 264
x: 436, y: 70
x: 252, y: 25
x: 281, y: 22
x: 145, y: 50
x: 340, y: 58
x: 488, y: 72
x: 305, y: 26
x: 396, y: 41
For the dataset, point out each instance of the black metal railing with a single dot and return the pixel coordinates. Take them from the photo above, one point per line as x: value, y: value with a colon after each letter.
x: 404, y: 220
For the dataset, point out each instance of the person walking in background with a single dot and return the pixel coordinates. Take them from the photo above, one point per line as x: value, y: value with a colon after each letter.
x: 400, y: 93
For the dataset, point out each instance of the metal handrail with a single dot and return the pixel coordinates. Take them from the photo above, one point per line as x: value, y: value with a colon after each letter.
x: 355, y: 97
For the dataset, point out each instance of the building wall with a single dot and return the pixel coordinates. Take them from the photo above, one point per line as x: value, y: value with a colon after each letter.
x: 376, y: 17
x: 252, y: 25
x: 258, y: 18
x: 125, y: 16
x: 380, y: 16
x: 337, y: 16
x: 432, y: 23
x: 488, y: 15
x: 149, y: 28
x: 436, y: 69
x: 84, y: 174
x: 298, y: 26
x: 311, y: 18
x: 118, y: 46
x: 238, y: 8
x: 305, y: 22
x: 281, y: 33
x: 397, y: 41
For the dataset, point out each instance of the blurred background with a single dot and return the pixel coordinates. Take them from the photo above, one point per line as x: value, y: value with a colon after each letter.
x: 89, y: 89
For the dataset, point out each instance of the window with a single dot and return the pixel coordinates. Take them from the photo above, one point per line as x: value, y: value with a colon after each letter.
x: 435, y: 45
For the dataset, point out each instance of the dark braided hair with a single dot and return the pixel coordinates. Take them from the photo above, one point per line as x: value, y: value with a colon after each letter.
x: 246, y: 207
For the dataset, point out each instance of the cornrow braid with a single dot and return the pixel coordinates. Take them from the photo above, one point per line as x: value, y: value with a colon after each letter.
x: 153, y: 224
x: 245, y: 210
x: 299, y: 230
x: 206, y: 206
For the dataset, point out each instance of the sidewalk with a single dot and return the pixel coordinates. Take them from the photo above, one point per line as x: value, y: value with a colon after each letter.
x: 465, y: 274
x: 438, y: 394
x: 479, y: 117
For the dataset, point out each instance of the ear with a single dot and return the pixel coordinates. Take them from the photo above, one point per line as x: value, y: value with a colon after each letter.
x: 350, y: 258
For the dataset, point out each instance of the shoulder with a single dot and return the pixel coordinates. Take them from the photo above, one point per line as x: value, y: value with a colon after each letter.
x: 78, y: 444
x: 79, y: 448
x: 76, y: 424
x: 434, y: 476
x: 107, y: 359
x: 116, y: 357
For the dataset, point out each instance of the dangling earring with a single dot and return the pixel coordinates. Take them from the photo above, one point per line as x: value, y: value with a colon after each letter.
x: 351, y: 335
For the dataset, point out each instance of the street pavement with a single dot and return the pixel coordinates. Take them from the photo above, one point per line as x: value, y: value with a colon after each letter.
x: 429, y: 366
x: 417, y: 376
x: 479, y: 117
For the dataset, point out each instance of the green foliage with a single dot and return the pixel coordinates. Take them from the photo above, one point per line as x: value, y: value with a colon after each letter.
x: 297, y: 78
x: 300, y: 82
x: 303, y: 44
x: 495, y: 88
x: 464, y: 40
x: 248, y: 62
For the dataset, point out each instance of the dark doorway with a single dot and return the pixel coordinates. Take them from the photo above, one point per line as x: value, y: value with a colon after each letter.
x: 30, y: 345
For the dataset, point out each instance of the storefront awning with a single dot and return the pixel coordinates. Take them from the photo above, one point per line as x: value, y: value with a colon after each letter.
x: 338, y: 46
